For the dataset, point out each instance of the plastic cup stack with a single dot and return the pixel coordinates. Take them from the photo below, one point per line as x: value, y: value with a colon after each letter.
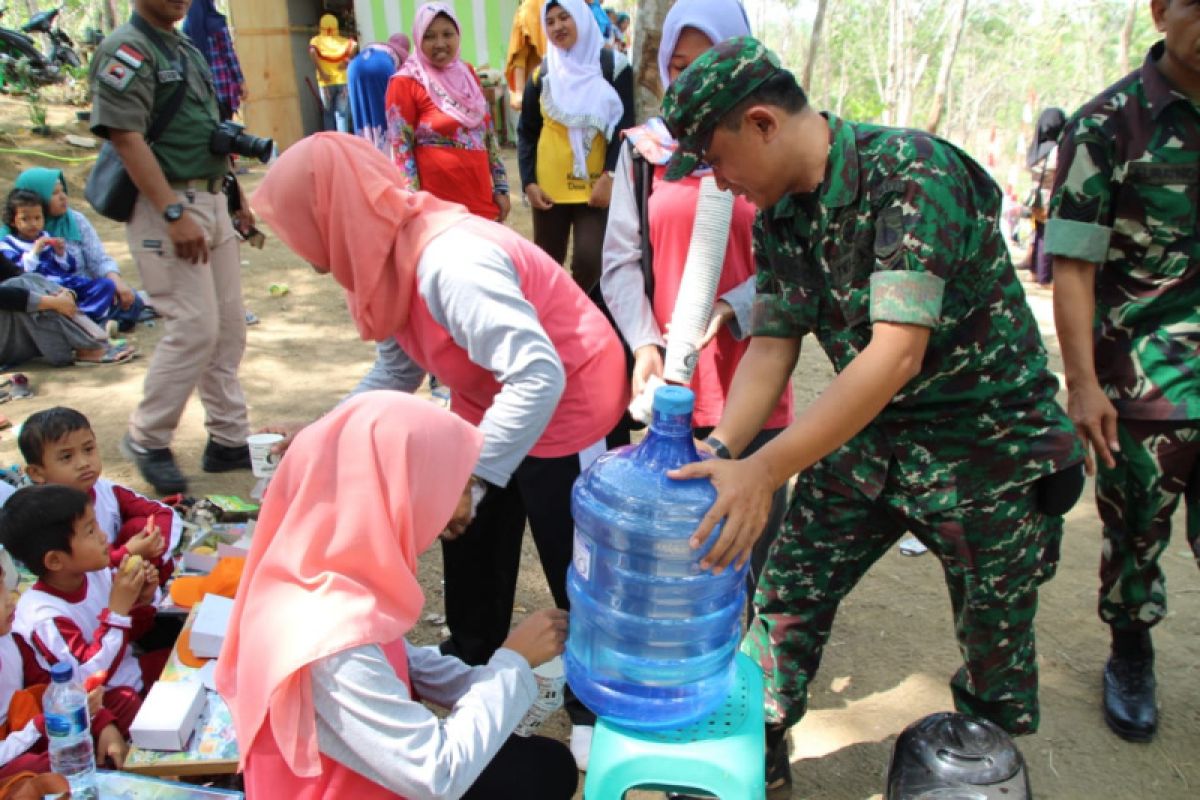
x: 698, y: 288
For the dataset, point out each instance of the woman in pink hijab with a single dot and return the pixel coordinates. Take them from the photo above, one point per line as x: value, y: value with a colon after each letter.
x: 525, y: 354
x: 319, y: 679
x: 440, y: 132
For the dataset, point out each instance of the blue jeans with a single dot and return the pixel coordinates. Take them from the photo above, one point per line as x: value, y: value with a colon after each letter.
x: 337, y: 108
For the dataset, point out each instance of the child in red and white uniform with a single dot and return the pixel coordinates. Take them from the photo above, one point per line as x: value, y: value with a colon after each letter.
x: 59, y: 446
x: 80, y: 611
x: 23, y: 744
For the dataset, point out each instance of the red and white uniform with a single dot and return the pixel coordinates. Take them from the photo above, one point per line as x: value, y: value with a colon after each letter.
x: 123, y: 513
x: 79, y: 628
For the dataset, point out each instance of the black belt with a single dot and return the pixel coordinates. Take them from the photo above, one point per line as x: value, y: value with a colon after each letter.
x: 210, y: 185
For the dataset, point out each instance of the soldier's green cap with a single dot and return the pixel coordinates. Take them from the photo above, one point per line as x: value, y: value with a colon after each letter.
x: 707, y: 90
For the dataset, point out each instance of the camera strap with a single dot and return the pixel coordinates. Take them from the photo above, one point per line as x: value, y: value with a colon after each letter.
x: 175, y: 101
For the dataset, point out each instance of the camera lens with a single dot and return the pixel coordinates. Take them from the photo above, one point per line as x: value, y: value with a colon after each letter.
x: 255, y: 147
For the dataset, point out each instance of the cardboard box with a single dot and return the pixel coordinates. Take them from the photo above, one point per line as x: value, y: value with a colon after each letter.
x: 168, y: 715
x: 209, y: 626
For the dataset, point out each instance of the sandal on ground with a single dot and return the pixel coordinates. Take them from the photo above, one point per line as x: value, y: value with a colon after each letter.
x: 20, y: 386
x: 5, y: 423
x: 113, y: 354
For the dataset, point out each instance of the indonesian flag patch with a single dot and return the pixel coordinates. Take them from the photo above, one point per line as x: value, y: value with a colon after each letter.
x: 130, y: 56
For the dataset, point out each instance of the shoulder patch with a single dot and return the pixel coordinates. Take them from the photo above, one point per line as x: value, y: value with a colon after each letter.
x: 130, y: 56
x: 116, y: 74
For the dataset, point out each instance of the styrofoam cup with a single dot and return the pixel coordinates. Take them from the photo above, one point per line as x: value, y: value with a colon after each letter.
x: 262, y: 460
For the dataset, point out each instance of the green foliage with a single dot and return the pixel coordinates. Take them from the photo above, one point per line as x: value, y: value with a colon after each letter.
x: 1015, y: 58
x: 22, y: 79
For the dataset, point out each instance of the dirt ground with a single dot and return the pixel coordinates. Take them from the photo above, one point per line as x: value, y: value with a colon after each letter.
x: 892, y: 650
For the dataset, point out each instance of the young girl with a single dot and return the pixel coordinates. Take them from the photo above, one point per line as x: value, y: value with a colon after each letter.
x: 29, y: 245
x: 82, y: 242
x: 318, y: 676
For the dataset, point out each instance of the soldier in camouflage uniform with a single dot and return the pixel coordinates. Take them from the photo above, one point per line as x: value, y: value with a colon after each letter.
x: 885, y: 244
x: 1123, y: 230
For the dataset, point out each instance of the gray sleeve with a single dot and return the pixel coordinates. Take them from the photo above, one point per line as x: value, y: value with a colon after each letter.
x: 472, y: 290
x: 368, y: 721
x: 621, y: 279
x: 91, y: 255
x: 741, y: 300
x: 393, y: 369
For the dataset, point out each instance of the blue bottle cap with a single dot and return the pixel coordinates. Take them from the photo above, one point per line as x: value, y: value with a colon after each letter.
x: 674, y: 400
x: 62, y: 672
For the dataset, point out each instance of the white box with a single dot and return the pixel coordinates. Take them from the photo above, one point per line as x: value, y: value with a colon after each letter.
x: 238, y: 549
x: 200, y: 562
x: 168, y: 715
x: 209, y: 626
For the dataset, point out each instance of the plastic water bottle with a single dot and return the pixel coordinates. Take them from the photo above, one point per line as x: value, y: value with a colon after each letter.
x: 68, y: 726
x: 653, y: 637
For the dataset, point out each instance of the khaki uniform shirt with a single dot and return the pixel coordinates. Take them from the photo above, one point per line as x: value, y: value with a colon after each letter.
x: 132, y: 79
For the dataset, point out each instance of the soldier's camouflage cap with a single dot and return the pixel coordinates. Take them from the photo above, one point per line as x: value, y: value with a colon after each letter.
x: 707, y: 90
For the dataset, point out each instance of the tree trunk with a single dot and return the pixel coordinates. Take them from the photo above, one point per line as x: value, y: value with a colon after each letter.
x: 814, y: 44
x: 647, y: 86
x: 949, y: 51
x: 108, y: 12
x: 1126, y: 35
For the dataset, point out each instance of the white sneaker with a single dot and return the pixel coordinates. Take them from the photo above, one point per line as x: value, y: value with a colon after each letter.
x: 581, y: 745
x: 912, y: 546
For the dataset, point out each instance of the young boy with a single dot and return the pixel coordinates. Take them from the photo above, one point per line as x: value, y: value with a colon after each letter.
x: 79, y: 611
x: 23, y: 745
x: 59, y: 447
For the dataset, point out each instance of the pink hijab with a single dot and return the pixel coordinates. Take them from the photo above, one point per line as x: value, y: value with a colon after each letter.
x: 359, y: 495
x: 454, y: 89
x: 336, y: 201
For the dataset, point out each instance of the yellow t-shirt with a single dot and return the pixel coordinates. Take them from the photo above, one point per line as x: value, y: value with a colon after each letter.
x: 554, y: 163
x: 331, y: 72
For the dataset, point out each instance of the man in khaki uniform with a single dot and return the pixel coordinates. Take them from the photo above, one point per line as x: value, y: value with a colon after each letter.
x: 181, y: 237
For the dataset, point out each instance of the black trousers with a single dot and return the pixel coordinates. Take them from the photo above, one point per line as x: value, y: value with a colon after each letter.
x: 527, y: 768
x: 552, y: 230
x: 480, y: 568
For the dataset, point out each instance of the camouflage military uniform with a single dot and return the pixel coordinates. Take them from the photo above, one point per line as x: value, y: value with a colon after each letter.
x: 1126, y: 199
x: 904, y: 230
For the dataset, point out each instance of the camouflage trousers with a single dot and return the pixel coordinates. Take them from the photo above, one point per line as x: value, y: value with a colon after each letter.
x: 995, y: 552
x: 1159, y: 462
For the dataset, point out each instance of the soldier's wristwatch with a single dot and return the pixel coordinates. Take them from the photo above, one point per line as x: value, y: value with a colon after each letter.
x: 173, y: 212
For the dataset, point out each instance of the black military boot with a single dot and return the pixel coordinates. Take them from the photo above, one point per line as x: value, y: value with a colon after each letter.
x: 779, y: 765
x: 1129, y: 706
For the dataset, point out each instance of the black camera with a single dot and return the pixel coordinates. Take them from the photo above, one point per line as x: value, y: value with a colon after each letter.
x: 229, y: 138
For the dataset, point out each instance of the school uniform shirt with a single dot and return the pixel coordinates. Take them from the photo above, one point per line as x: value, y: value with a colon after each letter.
x: 79, y: 628
x: 527, y: 357
x: 12, y: 680
x: 671, y: 211
x: 378, y: 742
x: 122, y: 513
x: 47, y: 262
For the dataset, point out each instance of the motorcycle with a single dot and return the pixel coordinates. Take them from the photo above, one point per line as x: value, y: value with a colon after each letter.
x: 43, y: 68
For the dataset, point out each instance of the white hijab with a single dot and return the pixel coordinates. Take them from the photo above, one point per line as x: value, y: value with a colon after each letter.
x: 717, y: 19
x: 575, y: 93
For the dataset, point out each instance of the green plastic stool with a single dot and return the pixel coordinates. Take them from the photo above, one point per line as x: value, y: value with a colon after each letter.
x: 722, y: 754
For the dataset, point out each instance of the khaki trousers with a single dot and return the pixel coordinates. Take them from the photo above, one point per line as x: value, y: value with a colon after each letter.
x: 201, y: 306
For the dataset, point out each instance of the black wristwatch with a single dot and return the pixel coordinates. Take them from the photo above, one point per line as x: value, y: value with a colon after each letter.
x: 718, y: 447
x: 173, y: 212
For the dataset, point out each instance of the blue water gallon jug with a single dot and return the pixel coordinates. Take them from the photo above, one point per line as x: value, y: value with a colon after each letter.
x: 653, y: 637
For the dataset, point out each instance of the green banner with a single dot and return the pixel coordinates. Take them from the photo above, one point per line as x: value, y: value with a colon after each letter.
x: 485, y: 25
